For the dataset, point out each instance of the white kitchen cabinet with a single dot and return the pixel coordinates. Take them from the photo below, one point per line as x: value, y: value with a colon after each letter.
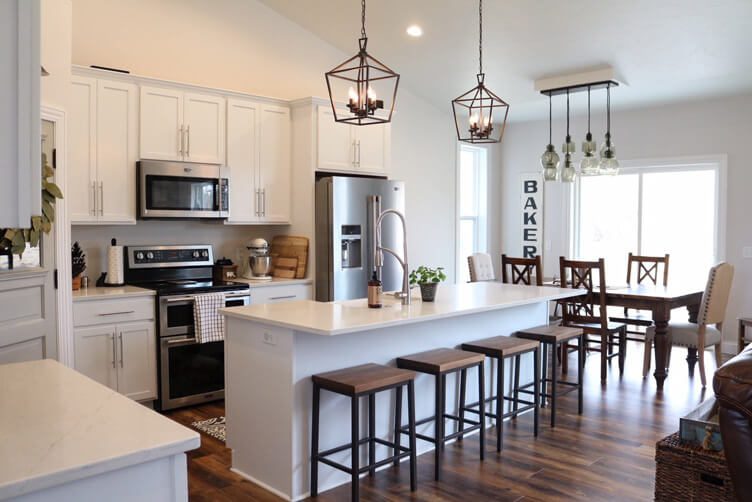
x: 103, y: 151
x: 182, y: 126
x: 20, y: 119
x: 281, y: 293
x: 115, y: 344
x: 349, y: 148
x: 258, y: 156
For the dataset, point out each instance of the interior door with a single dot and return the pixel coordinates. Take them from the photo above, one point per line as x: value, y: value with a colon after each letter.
x: 96, y: 353
x: 117, y: 150
x: 274, y: 164
x: 372, y: 148
x: 242, y: 160
x: 205, y: 129
x: 336, y: 150
x: 81, y: 195
x: 161, y: 121
x: 137, y: 360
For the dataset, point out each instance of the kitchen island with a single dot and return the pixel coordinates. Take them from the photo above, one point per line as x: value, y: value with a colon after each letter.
x: 273, y: 349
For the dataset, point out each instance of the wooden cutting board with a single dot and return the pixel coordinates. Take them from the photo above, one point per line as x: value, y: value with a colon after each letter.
x: 285, y: 267
x: 291, y: 246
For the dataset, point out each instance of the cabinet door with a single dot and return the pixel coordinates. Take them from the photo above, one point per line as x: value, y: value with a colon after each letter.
x: 336, y: 145
x: 137, y: 360
x: 81, y: 193
x: 274, y: 164
x: 95, y: 354
x: 205, y: 129
x: 242, y: 160
x: 282, y: 293
x: 372, y: 148
x: 161, y: 121
x: 117, y: 150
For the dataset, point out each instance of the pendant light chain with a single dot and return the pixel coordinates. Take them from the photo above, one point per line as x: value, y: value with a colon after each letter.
x: 363, y: 19
x: 480, y: 36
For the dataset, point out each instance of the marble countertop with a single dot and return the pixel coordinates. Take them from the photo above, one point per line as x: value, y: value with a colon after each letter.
x: 337, y: 318
x: 95, y: 293
x: 276, y: 281
x: 59, y: 426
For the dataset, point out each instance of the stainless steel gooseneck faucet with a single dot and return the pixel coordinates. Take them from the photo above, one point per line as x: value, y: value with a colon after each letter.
x: 379, y: 256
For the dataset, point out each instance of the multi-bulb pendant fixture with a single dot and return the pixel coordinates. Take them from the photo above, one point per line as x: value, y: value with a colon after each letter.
x: 479, y: 114
x: 608, y: 164
x: 589, y: 165
x: 550, y: 159
x: 361, y: 79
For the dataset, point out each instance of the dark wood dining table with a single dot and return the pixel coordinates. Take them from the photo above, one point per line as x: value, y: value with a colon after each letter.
x: 660, y: 300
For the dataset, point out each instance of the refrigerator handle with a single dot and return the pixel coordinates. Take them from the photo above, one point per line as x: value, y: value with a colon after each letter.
x: 374, y: 210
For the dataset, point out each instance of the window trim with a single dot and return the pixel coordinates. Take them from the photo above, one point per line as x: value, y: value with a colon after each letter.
x: 717, y: 163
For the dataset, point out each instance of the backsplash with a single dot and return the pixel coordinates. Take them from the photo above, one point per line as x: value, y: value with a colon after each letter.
x: 227, y: 240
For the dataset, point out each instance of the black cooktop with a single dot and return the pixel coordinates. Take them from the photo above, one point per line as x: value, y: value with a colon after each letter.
x: 188, y: 286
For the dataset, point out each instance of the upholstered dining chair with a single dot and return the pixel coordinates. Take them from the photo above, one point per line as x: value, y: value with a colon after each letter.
x: 707, y: 332
x: 481, y: 267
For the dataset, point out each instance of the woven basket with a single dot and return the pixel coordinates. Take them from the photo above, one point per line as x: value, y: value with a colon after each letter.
x: 688, y: 472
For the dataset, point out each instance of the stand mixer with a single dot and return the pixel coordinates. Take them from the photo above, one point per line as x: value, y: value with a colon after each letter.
x: 259, y: 265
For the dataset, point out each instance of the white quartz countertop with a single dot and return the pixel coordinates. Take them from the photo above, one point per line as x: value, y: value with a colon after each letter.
x: 95, y: 293
x: 276, y: 281
x: 57, y: 426
x: 337, y: 318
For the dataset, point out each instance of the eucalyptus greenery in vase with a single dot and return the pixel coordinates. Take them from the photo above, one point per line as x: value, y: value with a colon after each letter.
x: 428, y: 279
x: 13, y: 241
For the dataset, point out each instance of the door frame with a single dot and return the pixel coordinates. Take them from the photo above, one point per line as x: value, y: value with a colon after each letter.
x: 64, y: 291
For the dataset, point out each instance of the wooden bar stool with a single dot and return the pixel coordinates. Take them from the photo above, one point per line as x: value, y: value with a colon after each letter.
x: 440, y: 363
x: 502, y: 348
x: 553, y: 337
x: 356, y: 382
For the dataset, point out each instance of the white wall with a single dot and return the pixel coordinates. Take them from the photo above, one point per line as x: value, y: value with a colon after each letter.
x: 243, y: 45
x: 719, y: 126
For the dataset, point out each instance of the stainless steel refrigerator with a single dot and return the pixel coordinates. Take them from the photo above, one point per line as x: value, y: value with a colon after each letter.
x: 346, y: 212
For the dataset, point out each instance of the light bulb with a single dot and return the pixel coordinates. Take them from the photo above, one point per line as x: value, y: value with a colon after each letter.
x: 473, y: 120
x: 550, y: 164
x: 568, y: 173
x: 371, y: 94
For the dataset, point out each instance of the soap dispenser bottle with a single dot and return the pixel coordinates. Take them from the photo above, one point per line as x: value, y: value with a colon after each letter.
x: 374, y: 292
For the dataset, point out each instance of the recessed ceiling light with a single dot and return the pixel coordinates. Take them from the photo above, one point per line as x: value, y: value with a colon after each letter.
x: 414, y: 30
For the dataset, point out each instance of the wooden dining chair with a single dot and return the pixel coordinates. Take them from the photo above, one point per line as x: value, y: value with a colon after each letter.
x: 642, y: 270
x: 481, y: 267
x: 527, y: 271
x: 588, y: 311
x: 707, y: 332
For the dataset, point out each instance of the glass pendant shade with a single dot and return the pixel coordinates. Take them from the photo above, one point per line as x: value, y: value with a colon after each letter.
x: 608, y: 163
x: 568, y: 173
x: 589, y: 165
x: 550, y: 164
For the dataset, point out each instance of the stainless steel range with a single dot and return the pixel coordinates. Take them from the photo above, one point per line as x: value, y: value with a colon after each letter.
x: 189, y: 372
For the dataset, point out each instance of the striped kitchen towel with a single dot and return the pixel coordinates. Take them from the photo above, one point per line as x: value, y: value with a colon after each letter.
x: 209, y: 325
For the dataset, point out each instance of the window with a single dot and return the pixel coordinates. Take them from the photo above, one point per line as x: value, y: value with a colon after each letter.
x: 651, y: 210
x: 471, y: 228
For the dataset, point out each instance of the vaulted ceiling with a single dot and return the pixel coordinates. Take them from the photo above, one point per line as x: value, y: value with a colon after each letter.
x: 664, y: 51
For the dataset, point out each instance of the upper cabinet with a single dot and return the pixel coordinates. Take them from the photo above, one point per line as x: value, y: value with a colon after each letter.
x: 258, y: 156
x: 20, y: 120
x: 103, y: 142
x: 182, y: 126
x: 348, y: 148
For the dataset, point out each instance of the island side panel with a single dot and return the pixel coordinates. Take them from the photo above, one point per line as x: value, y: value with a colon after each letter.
x: 258, y: 402
x: 318, y: 353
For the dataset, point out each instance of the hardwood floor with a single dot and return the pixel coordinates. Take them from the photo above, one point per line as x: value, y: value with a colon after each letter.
x: 605, y: 454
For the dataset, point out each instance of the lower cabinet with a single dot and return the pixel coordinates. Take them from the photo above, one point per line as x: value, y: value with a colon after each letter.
x: 119, y: 355
x: 281, y: 293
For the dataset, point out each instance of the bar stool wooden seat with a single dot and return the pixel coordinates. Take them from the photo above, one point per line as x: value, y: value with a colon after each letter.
x: 502, y: 348
x: 356, y: 382
x: 553, y: 337
x: 440, y: 363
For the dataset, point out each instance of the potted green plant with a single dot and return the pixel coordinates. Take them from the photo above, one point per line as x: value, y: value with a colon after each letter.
x: 78, y: 265
x: 428, y: 279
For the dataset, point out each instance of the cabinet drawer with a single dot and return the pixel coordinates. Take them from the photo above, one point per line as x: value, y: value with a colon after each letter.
x: 275, y: 294
x: 92, y: 312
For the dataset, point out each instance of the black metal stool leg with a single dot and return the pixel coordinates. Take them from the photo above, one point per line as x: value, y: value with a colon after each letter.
x: 544, y: 368
x: 315, y: 442
x: 536, y: 392
x: 516, y: 396
x: 443, y: 409
x: 554, y: 378
x: 354, y: 448
x: 463, y: 385
x: 482, y: 410
x: 397, y: 423
x: 371, y: 434
x: 580, y: 373
x: 411, y: 428
x: 437, y: 434
x: 499, y: 403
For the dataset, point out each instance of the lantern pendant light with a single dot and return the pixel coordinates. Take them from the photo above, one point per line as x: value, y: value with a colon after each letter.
x: 568, y: 173
x: 589, y: 165
x: 480, y: 115
x: 358, y: 82
x: 608, y: 164
x: 550, y: 159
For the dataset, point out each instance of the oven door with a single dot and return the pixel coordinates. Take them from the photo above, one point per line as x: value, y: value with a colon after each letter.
x: 182, y: 190
x: 191, y: 372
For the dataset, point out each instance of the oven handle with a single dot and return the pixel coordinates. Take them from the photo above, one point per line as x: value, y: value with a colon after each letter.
x: 184, y: 341
x: 193, y: 298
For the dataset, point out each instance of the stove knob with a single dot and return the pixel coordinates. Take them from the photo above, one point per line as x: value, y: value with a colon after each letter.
x: 139, y: 256
x: 196, y: 254
x: 149, y: 255
x: 205, y: 253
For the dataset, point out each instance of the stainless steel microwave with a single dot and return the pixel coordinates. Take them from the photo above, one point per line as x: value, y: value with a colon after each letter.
x: 182, y: 190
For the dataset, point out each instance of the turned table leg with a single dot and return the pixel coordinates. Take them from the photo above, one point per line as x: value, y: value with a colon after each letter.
x: 660, y: 319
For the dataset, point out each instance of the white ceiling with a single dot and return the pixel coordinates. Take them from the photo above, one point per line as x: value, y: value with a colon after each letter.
x: 666, y: 50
